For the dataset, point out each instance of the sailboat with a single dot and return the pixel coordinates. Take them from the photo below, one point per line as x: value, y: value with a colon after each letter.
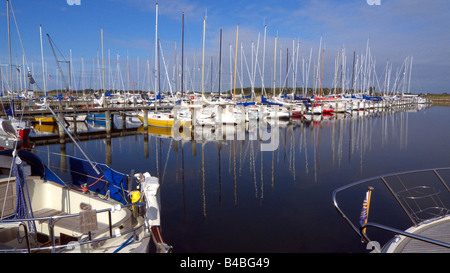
x: 76, y: 118
x: 19, y: 129
x: 179, y: 114
x: 20, y: 126
x: 207, y: 115
x: 44, y: 119
x: 232, y: 115
x: 93, y: 214
x: 96, y: 212
x: 276, y: 111
x: 9, y: 137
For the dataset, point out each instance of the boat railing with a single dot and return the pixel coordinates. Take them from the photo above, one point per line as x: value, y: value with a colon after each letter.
x: 53, y: 219
x: 398, y: 232
x: 420, y: 203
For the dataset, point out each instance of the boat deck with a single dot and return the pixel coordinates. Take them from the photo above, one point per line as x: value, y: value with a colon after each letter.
x: 437, y: 230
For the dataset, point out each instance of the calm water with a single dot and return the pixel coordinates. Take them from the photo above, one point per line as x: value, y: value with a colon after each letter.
x: 231, y: 197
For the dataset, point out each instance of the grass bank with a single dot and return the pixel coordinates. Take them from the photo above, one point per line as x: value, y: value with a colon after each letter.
x: 441, y: 98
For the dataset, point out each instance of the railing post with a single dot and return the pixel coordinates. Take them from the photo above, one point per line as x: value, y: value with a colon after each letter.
x: 442, y: 180
x: 25, y: 228
x: 51, y: 231
x: 110, y: 224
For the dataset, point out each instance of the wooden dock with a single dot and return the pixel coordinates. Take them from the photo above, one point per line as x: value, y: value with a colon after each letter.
x: 71, y: 108
x: 82, y: 136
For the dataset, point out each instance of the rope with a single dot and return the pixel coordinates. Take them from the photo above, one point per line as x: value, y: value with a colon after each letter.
x: 126, y: 243
x: 86, y: 189
x: 83, y: 189
x: 21, y: 211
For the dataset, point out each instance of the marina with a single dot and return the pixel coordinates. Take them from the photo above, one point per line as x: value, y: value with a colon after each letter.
x: 278, y: 151
x: 209, y: 183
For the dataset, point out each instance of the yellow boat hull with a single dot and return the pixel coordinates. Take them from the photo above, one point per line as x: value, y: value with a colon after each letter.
x: 45, y: 119
x: 164, y: 122
x: 163, y: 132
x: 47, y: 128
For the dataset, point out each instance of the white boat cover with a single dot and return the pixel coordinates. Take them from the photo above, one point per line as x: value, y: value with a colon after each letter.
x: 6, y: 129
x: 150, y: 188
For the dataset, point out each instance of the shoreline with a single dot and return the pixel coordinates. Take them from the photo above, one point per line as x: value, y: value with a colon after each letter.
x: 438, y: 98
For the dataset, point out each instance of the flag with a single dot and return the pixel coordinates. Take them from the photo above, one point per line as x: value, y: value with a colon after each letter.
x: 365, y: 208
x: 31, y: 79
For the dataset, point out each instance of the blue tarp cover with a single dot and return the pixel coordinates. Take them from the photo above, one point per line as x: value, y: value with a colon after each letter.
x: 246, y: 103
x: 263, y: 100
x: 372, y: 98
x: 82, y: 173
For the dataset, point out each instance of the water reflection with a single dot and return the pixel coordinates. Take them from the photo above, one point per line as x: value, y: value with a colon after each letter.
x: 302, y: 143
x: 211, y: 178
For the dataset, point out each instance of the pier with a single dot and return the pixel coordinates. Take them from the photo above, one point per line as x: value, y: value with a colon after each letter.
x: 65, y: 110
x: 72, y: 108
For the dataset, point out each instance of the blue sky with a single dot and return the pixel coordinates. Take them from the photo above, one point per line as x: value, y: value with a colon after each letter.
x: 395, y: 29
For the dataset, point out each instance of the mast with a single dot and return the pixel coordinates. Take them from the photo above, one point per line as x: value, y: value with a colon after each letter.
x: 109, y: 70
x: 9, y: 45
x: 264, y: 58
x: 220, y: 59
x: 176, y: 68
x: 295, y: 72
x: 274, y: 65
x: 318, y: 62
x: 410, y: 68
x: 203, y: 58
x: 336, y: 69
x: 281, y: 81
x: 1, y: 80
x: 70, y: 78
x: 210, y: 87
x: 159, y: 80
x: 242, y: 70
x: 43, y: 66
x: 231, y: 68
x: 252, y: 76
x: 103, y: 71
x: 353, y: 73
x: 82, y: 75
x: 182, y: 55
x: 235, y: 64
x: 59, y: 66
x: 156, y: 50
x: 321, y: 78
x: 70, y: 69
x: 365, y: 68
x: 314, y: 79
x: 287, y: 68
x: 343, y: 70
x: 138, y: 72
